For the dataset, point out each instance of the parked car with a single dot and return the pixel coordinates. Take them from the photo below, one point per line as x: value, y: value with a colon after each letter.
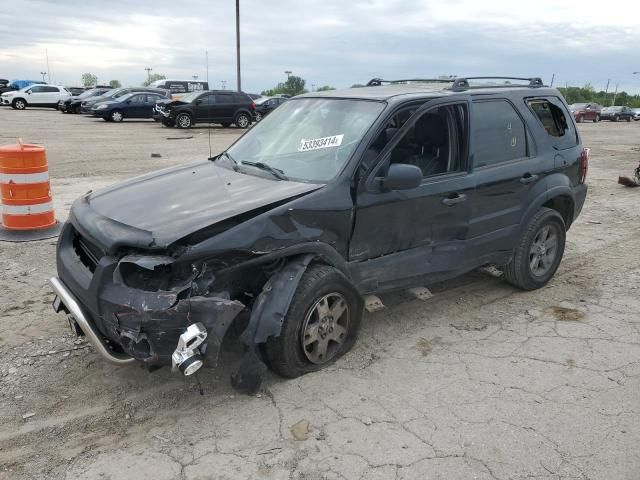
x: 35, y: 96
x: 77, y: 91
x: 266, y: 105
x: 617, y: 113
x: 132, y: 105
x: 15, y: 85
x: 180, y: 87
x: 636, y: 114
x: 334, y: 196
x: 586, y: 111
x: 215, y: 106
x: 114, y: 94
x: 74, y: 104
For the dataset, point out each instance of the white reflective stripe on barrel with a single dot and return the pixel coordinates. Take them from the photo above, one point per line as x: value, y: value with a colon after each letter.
x: 27, y: 209
x: 24, y: 177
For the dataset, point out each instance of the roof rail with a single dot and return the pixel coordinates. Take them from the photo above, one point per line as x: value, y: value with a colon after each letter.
x: 462, y: 83
x: 376, y: 82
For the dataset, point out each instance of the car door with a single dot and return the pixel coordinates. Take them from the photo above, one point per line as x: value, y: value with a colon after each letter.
x: 36, y: 95
x: 409, y: 237
x: 225, y: 107
x: 204, y: 107
x: 135, y: 105
x: 507, y: 169
x: 150, y: 104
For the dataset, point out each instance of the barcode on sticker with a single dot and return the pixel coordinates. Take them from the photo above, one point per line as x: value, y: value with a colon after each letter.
x: 318, y: 143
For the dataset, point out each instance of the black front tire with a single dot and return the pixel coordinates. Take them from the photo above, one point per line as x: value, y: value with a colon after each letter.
x: 284, y: 354
x: 518, y: 271
x: 183, y: 120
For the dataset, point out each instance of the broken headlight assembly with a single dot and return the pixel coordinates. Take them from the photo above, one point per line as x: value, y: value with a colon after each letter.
x: 153, y: 273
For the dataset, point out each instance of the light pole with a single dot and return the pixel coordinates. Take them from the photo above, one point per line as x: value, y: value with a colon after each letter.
x: 195, y: 77
x: 43, y: 74
x: 288, y: 73
x: 148, y: 69
x: 313, y: 87
x: 238, y: 44
x: 224, y: 84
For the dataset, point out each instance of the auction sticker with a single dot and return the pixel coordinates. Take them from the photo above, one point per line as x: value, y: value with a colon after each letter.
x: 318, y: 143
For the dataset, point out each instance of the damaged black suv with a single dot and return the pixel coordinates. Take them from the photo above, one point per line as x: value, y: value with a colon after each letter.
x: 332, y: 197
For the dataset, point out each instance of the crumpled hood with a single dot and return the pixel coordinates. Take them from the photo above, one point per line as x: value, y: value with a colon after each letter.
x: 160, y: 208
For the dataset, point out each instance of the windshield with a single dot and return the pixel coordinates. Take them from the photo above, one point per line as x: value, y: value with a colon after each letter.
x: 120, y: 93
x: 87, y: 93
x: 189, y: 97
x: 309, y: 139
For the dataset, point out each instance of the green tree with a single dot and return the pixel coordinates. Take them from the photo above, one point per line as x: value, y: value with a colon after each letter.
x: 357, y: 85
x: 325, y: 88
x: 89, y: 80
x: 293, y: 86
x: 115, y: 83
x: 152, y: 78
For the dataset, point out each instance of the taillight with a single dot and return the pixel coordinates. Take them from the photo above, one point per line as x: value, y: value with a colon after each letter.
x: 252, y: 106
x: 584, y: 163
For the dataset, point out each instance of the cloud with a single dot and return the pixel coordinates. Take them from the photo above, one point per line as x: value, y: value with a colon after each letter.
x: 329, y: 42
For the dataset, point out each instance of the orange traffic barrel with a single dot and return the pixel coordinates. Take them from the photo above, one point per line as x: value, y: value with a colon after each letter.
x: 25, y: 193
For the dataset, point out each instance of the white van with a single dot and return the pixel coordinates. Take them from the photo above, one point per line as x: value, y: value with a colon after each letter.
x: 180, y: 87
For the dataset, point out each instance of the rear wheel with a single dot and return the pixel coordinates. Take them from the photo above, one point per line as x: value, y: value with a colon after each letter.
x: 616, y: 118
x: 19, y: 104
x: 597, y: 119
x: 539, y: 252
x: 258, y: 116
x: 580, y: 119
x: 183, y: 120
x: 321, y: 325
x: 629, y: 119
x: 242, y: 120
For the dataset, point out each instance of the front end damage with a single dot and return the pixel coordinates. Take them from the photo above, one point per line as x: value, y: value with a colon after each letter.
x: 160, y: 311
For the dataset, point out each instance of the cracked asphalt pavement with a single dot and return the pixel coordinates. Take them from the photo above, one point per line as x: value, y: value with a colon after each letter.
x: 481, y: 381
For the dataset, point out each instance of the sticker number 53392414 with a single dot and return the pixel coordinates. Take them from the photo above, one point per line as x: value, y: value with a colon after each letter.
x: 318, y: 143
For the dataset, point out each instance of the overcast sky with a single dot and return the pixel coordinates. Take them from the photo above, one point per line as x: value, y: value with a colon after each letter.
x: 335, y: 42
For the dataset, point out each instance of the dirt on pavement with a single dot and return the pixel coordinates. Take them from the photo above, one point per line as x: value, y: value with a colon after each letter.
x: 481, y: 381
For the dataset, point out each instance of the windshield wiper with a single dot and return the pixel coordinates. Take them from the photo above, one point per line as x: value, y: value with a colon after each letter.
x: 276, y: 172
x: 225, y: 154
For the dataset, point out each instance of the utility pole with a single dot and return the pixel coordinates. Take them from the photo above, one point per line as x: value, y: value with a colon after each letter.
x: 195, y: 77
x: 238, y: 44
x: 43, y: 74
x: 46, y: 54
x: 148, y: 69
x: 206, y: 60
x: 614, y: 95
x: 606, y: 91
x: 313, y: 87
x: 552, y: 78
x: 223, y: 83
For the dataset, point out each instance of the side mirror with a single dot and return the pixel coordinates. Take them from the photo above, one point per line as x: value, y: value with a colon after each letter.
x: 28, y: 92
x: 198, y: 102
x: 402, y: 177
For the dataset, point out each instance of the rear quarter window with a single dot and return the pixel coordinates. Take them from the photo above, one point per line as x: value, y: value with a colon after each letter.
x: 553, y: 117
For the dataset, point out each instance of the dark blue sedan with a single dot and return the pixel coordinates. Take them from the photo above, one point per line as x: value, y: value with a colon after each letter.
x: 133, y: 105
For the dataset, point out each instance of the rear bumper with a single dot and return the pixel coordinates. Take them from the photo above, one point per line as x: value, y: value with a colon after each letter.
x: 580, y: 193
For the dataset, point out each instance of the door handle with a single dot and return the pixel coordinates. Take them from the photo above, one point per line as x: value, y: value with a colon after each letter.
x: 453, y: 199
x: 528, y: 178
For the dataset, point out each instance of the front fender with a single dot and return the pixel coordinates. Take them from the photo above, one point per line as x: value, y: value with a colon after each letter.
x: 266, y: 321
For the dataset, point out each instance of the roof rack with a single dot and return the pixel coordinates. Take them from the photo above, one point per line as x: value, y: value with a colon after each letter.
x: 462, y: 83
x: 376, y: 82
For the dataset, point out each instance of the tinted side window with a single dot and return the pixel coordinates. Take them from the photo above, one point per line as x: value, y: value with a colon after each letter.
x: 37, y: 89
x: 224, y: 98
x: 498, y: 133
x: 138, y: 99
x: 206, y: 100
x: 240, y: 98
x: 50, y: 89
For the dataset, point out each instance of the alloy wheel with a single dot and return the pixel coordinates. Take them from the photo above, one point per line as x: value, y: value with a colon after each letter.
x: 325, y: 328
x: 544, y: 250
